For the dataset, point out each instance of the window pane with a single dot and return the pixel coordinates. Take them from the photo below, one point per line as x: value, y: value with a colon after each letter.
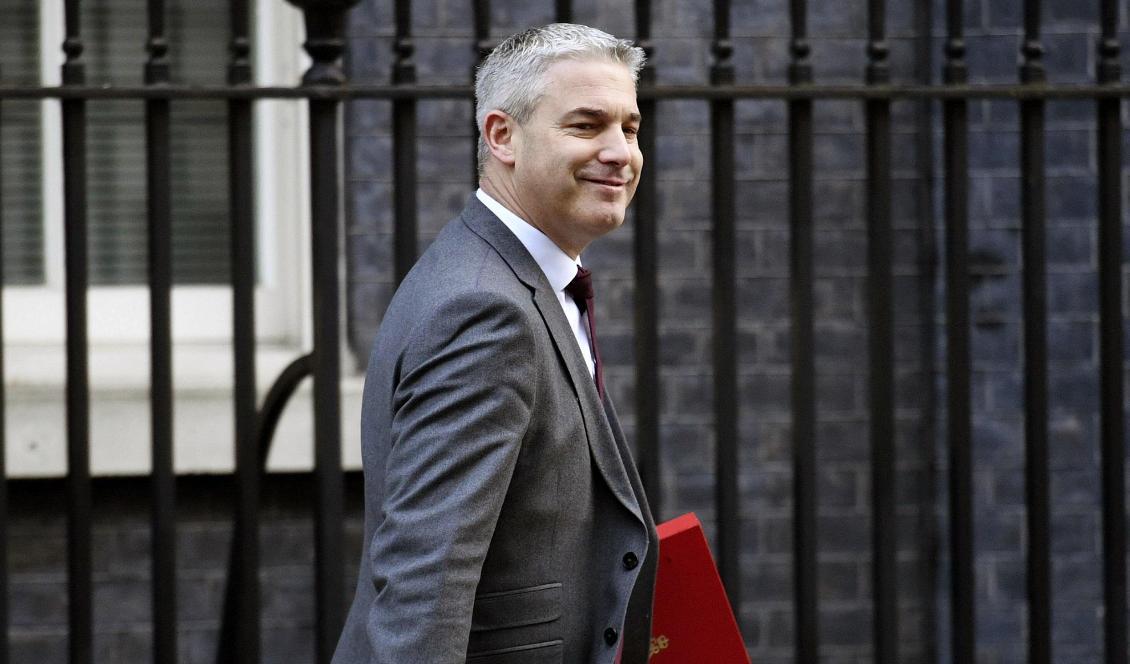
x: 21, y: 173
x: 115, y: 33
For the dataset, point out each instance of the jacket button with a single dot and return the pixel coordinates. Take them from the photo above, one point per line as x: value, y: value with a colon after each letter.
x: 630, y: 560
x: 610, y: 635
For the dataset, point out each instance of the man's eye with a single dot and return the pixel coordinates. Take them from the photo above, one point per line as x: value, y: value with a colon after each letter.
x: 584, y: 126
x: 631, y: 131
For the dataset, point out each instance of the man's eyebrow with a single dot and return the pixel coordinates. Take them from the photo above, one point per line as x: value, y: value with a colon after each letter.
x: 598, y: 114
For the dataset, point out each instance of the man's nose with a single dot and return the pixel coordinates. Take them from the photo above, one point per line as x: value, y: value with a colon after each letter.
x: 615, y: 149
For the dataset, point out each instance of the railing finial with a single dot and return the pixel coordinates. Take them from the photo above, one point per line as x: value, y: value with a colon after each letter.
x: 325, y: 39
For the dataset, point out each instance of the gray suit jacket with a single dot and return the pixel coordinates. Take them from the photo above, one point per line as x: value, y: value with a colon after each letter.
x: 504, y: 520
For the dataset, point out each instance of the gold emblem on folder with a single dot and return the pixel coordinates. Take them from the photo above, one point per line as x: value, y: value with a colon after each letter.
x: 658, y: 645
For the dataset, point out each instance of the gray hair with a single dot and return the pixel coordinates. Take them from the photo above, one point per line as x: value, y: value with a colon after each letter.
x: 510, y: 78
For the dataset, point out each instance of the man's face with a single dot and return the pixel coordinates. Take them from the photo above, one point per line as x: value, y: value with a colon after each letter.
x: 576, y: 159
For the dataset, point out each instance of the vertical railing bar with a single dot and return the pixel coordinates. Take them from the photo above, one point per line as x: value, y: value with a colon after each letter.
x: 724, y: 310
x: 4, y: 585
x: 563, y: 11
x: 958, y: 360
x: 801, y: 270
x: 1111, y: 362
x: 325, y: 41
x: 404, y: 147
x: 881, y: 340
x: 79, y: 502
x: 1032, y: 113
x: 483, y: 46
x: 244, y: 575
x: 645, y: 261
x: 927, y: 265
x: 163, y: 479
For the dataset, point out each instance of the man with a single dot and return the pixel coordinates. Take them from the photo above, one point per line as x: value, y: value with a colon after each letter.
x: 504, y: 519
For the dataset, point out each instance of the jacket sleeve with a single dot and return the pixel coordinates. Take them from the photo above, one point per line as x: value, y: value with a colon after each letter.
x: 461, y: 407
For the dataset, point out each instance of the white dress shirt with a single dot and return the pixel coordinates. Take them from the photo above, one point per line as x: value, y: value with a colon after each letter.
x: 558, y: 267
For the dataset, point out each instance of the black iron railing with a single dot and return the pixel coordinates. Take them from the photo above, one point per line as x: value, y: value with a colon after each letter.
x: 324, y: 86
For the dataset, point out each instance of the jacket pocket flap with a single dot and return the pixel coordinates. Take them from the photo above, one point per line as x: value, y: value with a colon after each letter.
x: 515, y: 608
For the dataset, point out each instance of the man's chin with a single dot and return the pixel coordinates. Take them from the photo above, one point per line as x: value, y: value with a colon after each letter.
x: 607, y: 219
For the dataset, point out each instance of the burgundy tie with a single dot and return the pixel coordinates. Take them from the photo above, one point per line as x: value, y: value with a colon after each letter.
x: 580, y: 288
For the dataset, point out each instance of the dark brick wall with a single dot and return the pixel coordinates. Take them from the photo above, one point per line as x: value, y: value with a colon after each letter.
x: 36, y: 539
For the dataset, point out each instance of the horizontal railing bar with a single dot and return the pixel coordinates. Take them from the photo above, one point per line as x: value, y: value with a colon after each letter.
x: 706, y: 92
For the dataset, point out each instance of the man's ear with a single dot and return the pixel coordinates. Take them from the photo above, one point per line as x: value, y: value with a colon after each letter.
x: 499, y: 133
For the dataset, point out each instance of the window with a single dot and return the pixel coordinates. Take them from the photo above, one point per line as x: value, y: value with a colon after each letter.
x: 114, y: 35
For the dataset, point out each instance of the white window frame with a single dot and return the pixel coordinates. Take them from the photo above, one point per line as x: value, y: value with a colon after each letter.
x: 36, y: 314
x: 118, y: 330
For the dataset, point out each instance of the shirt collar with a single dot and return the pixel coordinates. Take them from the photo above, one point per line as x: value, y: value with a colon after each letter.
x: 558, y: 267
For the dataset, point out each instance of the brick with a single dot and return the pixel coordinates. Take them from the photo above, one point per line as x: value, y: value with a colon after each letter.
x: 839, y: 581
x: 844, y: 534
x: 282, y: 645
x: 121, y: 602
x: 682, y: 253
x: 1071, y: 246
x: 992, y: 59
x: 760, y: 155
x: 370, y: 156
x: 1073, y: 436
x: 760, y: 18
x: 40, y: 603
x: 1075, y: 532
x: 1005, y: 14
x: 995, y: 297
x: 775, y: 535
x: 370, y: 207
x: 1073, y: 389
x: 837, y: 393
x: 836, y: 342
x: 681, y: 61
x: 1078, y: 623
x: 1071, y: 197
x: 368, y: 117
x: 781, y: 628
x: 370, y: 16
x: 39, y: 647
x: 446, y: 117
x: 125, y: 646
x: 764, y: 391
x: 683, y: 205
x: 1075, y: 488
x: 842, y: 627
x: 369, y: 59
x: 840, y: 252
x: 369, y: 256
x: 768, y: 581
x: 200, y: 596
x: 288, y: 595
x: 510, y: 17
x: 999, y: 624
x: 838, y: 153
x: 758, y: 116
x: 681, y: 117
x: 998, y: 441
x: 1074, y: 578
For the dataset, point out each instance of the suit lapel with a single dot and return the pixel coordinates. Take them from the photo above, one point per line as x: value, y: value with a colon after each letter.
x: 601, y: 440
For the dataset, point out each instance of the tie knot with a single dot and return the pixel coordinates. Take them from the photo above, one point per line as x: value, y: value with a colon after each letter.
x: 580, y: 288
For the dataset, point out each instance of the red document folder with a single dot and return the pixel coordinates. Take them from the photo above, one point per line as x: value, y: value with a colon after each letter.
x: 692, y: 622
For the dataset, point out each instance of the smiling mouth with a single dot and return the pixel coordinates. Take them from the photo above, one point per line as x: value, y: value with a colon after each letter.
x: 606, y: 182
